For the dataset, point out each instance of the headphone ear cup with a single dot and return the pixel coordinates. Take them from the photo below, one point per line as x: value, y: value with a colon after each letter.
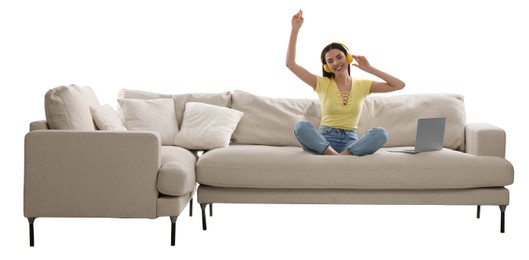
x: 326, y: 68
x: 350, y: 58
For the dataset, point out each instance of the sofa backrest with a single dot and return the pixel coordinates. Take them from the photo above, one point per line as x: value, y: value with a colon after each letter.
x: 270, y: 121
x: 399, y: 114
x: 68, y: 107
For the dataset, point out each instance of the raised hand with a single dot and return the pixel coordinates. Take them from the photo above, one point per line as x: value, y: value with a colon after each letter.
x: 297, y: 20
x: 361, y: 62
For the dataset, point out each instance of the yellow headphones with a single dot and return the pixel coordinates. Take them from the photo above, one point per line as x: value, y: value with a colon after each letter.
x: 349, y: 58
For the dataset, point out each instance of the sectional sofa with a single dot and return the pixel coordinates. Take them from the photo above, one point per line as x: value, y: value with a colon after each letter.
x: 145, y: 158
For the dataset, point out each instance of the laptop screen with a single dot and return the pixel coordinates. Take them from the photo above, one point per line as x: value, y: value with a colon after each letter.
x: 430, y: 134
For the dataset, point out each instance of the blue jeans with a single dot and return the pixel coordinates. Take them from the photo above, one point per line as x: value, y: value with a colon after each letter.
x: 339, y: 139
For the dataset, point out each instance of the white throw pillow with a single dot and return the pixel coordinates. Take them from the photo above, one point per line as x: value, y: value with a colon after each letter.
x: 106, y: 118
x: 156, y: 115
x: 206, y: 127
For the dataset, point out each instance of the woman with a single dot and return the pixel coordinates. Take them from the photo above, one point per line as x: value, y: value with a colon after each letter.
x: 341, y: 98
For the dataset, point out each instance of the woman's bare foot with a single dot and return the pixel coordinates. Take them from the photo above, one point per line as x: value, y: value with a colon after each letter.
x: 346, y: 152
x: 330, y: 151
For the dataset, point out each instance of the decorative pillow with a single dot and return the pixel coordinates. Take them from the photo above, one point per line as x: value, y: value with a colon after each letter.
x: 206, y: 127
x: 106, y: 118
x: 67, y: 108
x: 156, y: 115
x: 180, y: 100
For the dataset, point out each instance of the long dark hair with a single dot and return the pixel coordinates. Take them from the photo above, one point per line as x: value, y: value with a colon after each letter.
x: 334, y: 45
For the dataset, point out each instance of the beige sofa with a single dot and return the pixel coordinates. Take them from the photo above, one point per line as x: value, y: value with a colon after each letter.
x: 72, y: 169
x: 264, y: 163
x: 89, y: 160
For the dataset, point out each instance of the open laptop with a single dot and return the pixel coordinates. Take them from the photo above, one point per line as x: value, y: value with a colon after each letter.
x: 430, y: 135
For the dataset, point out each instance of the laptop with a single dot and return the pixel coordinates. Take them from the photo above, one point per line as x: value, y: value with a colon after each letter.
x: 430, y: 135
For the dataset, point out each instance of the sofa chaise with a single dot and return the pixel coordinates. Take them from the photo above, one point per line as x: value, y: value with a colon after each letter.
x: 144, y: 159
x: 74, y: 169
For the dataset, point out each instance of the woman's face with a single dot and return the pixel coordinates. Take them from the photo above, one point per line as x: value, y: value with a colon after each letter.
x: 336, y: 61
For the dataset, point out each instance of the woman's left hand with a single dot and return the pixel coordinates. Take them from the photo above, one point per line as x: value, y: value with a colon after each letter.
x: 361, y: 62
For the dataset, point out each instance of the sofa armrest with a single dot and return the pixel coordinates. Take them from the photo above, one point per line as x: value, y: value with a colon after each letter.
x: 38, y: 125
x: 91, y: 173
x: 484, y: 139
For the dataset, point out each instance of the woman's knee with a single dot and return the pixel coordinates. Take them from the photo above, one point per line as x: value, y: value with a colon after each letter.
x: 380, y: 132
x: 302, y: 126
x: 373, y: 139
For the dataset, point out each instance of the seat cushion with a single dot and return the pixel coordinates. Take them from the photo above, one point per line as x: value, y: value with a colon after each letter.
x: 254, y: 166
x: 176, y: 177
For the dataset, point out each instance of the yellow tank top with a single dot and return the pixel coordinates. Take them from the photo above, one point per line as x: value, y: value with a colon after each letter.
x: 341, y: 110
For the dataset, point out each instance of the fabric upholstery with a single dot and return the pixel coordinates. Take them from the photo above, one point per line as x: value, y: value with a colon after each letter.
x: 90, y: 173
x: 38, y: 125
x: 218, y: 99
x: 207, y: 127
x: 270, y: 121
x: 156, y: 115
x: 176, y: 177
x: 478, y: 196
x: 90, y: 96
x: 67, y: 108
x: 172, y: 205
x: 106, y: 118
x: 485, y: 140
x: 399, y: 115
x: 251, y: 166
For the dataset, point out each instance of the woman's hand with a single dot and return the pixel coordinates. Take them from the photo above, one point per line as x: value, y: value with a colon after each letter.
x: 390, y: 82
x: 297, y: 20
x: 361, y: 62
x: 302, y: 73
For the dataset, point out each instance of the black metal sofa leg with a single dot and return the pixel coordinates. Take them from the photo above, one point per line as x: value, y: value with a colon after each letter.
x: 502, y: 218
x: 191, y: 207
x: 173, y: 230
x: 31, y: 232
x: 203, y: 209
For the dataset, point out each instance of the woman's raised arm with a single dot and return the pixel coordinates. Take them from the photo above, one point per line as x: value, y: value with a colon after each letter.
x: 302, y: 73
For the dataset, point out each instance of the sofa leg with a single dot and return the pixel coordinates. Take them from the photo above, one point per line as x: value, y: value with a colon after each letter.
x: 191, y: 207
x: 479, y: 211
x: 502, y: 218
x: 211, y: 210
x: 31, y: 232
x: 203, y: 209
x: 173, y: 230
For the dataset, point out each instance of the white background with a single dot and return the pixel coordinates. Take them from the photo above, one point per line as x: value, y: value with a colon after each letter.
x: 474, y: 48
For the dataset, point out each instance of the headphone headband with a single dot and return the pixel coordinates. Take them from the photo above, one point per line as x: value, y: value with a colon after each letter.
x: 349, y: 56
x: 343, y: 46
